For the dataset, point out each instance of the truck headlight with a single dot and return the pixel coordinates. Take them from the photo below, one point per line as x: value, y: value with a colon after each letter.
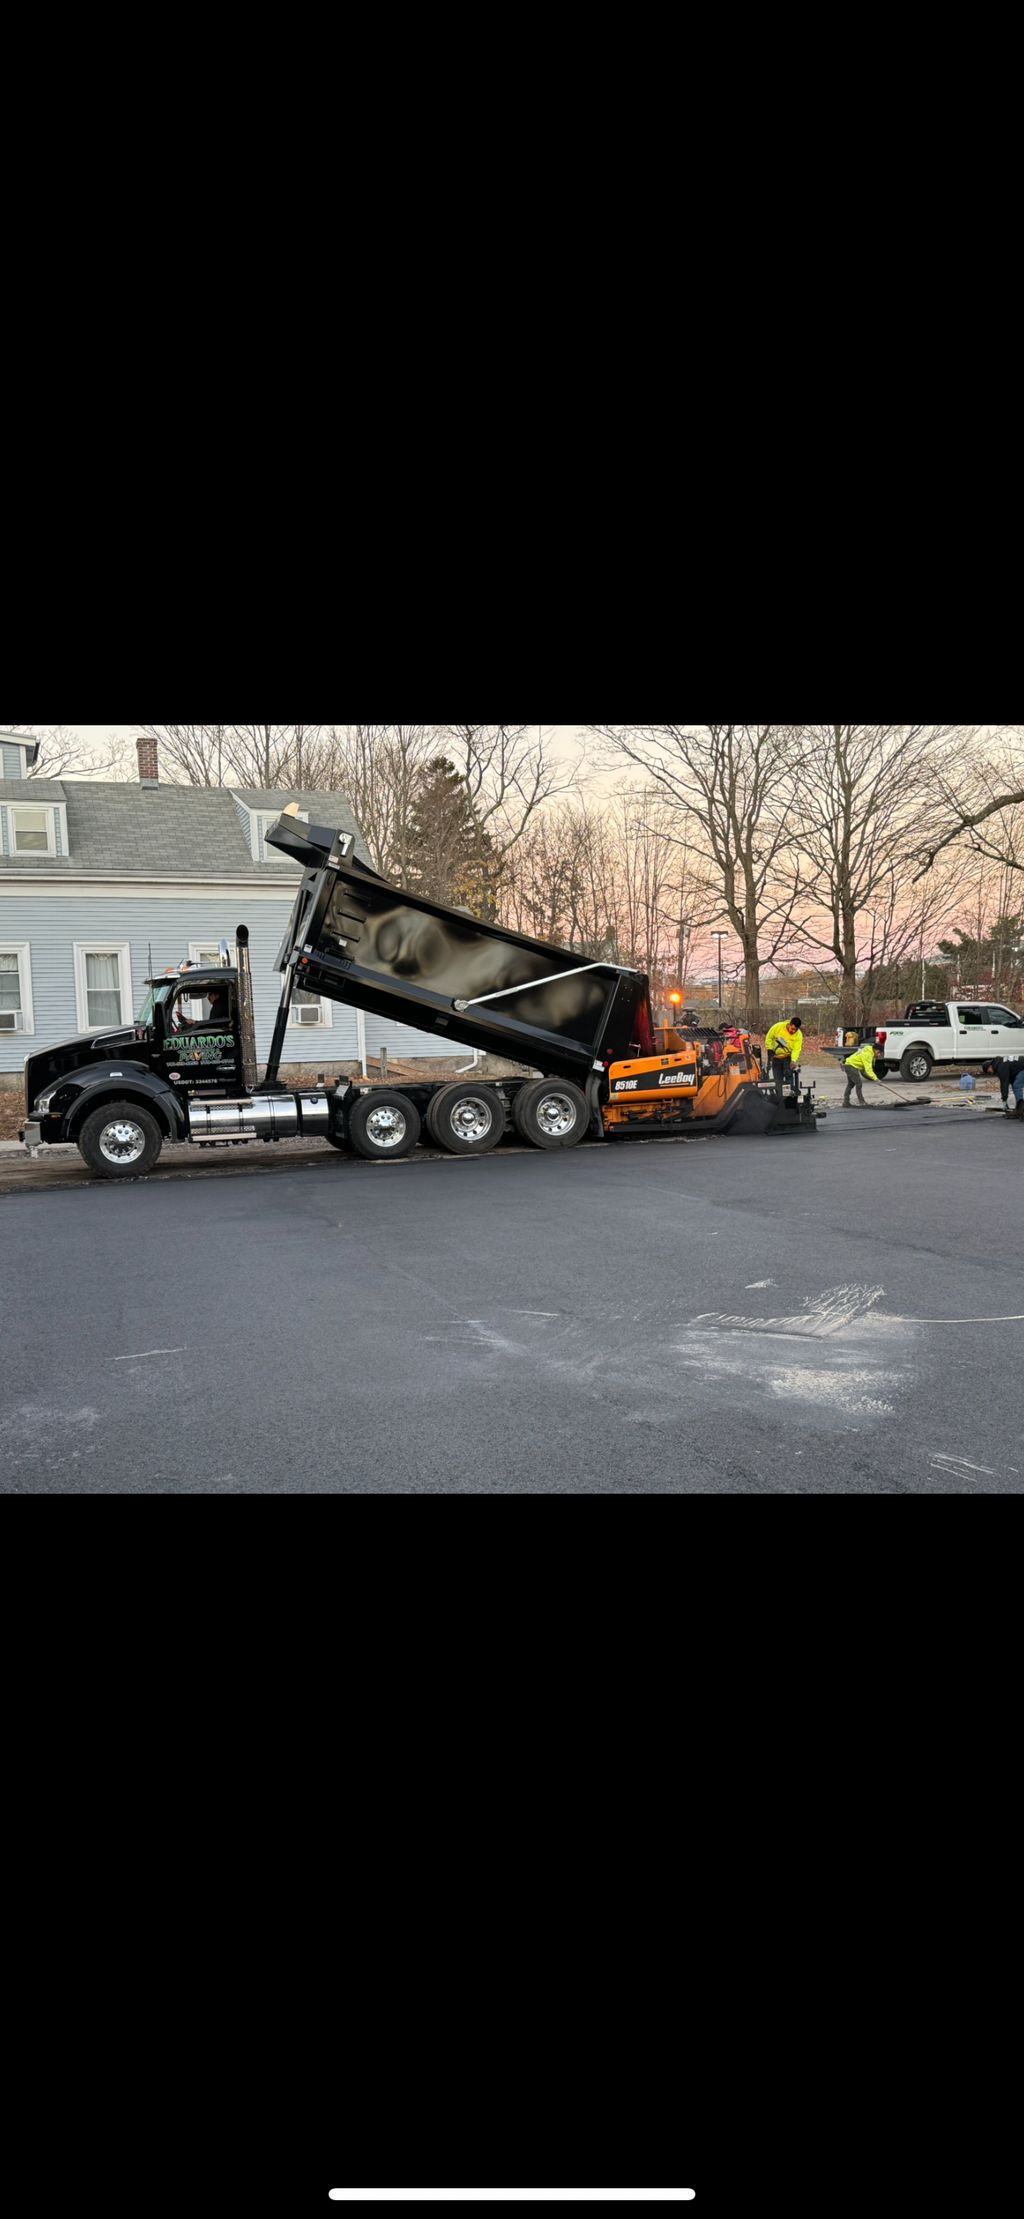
x: 43, y: 1104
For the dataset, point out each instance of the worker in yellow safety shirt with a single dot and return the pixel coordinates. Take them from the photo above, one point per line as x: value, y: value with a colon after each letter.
x: 863, y: 1060
x: 783, y: 1047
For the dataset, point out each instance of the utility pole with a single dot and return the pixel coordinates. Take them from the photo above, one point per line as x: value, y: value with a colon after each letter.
x: 720, y: 936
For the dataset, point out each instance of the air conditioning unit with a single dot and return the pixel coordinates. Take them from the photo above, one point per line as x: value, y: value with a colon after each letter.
x: 10, y: 1019
x: 308, y: 1013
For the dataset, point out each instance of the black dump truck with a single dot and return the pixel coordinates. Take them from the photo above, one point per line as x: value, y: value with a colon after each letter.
x: 186, y: 1070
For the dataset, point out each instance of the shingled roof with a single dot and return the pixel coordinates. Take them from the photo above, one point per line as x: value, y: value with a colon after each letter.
x: 183, y: 832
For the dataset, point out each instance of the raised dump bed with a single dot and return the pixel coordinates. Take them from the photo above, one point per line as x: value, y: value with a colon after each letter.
x: 357, y: 939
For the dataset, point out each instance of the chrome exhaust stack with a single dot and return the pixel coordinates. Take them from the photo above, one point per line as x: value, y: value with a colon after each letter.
x: 246, y: 1011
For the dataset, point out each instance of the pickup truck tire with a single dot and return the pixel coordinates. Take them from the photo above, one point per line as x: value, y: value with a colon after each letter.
x: 551, y: 1113
x: 120, y: 1140
x: 468, y: 1120
x: 384, y: 1125
x: 916, y: 1063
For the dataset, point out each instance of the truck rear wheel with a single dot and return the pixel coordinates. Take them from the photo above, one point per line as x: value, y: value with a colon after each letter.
x: 467, y: 1120
x: 384, y: 1125
x: 120, y: 1141
x: 551, y: 1113
x: 916, y: 1063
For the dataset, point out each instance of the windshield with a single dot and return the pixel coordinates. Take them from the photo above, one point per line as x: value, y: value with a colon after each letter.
x: 156, y: 995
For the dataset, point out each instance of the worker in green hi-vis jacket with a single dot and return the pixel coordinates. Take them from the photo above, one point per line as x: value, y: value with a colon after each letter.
x: 862, y: 1062
x: 783, y: 1047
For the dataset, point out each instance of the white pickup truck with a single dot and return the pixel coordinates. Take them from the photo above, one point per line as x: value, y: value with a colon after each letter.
x: 948, y: 1032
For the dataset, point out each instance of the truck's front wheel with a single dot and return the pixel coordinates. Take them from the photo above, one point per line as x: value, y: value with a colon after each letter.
x: 120, y: 1141
x: 916, y: 1064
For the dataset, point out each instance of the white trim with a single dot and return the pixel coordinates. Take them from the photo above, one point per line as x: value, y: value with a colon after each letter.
x: 38, y: 808
x: 122, y: 950
x: 274, y: 889
x: 22, y: 949
x: 195, y: 950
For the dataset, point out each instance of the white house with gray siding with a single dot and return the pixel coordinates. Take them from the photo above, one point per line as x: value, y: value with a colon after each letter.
x: 103, y: 886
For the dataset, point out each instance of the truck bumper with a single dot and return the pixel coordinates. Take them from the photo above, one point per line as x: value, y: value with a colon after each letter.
x: 31, y: 1137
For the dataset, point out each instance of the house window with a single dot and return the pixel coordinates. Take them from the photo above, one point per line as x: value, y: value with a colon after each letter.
x: 203, y: 951
x: 103, y: 984
x: 32, y: 831
x: 15, y: 988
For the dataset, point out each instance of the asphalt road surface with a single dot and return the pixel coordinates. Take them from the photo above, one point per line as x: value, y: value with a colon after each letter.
x: 824, y: 1315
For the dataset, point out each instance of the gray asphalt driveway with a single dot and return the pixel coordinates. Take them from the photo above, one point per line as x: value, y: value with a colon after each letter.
x: 843, y: 1313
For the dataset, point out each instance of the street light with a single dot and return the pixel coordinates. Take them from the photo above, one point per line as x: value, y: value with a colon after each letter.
x: 719, y: 936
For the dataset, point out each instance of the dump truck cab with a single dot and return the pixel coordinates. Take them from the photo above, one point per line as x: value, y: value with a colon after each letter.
x: 192, y: 1039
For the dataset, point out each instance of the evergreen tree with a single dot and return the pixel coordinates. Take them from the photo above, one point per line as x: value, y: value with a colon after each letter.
x: 452, y: 857
x: 998, y: 958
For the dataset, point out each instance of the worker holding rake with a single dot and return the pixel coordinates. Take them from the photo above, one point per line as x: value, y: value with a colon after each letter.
x: 858, y: 1066
x: 1009, y: 1070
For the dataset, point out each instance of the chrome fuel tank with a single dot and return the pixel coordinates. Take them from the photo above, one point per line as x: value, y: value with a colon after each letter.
x: 261, y: 1117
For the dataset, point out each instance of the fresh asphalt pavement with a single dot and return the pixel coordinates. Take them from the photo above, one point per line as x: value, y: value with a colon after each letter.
x: 812, y: 1315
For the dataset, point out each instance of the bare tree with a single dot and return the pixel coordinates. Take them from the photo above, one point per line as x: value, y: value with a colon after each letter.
x: 853, y: 795
x: 611, y: 881
x: 509, y: 775
x: 190, y: 754
x: 271, y: 755
x: 63, y: 755
x: 507, y: 771
x: 557, y: 883
x: 256, y: 757
x: 900, y: 929
x: 979, y: 782
x: 666, y: 893
x: 379, y: 768
x: 729, y: 780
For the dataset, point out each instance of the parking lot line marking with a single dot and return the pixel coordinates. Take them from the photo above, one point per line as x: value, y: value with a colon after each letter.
x: 513, y: 2195
x: 144, y: 1353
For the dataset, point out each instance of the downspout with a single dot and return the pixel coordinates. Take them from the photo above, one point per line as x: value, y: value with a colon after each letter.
x: 361, y: 1041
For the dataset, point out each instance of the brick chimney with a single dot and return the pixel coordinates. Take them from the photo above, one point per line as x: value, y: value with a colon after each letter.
x: 149, y: 770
